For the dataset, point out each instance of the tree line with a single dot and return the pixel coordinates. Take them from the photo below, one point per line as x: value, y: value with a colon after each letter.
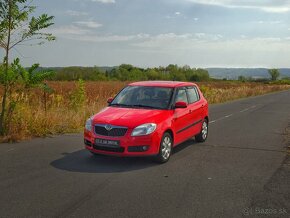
x: 127, y: 72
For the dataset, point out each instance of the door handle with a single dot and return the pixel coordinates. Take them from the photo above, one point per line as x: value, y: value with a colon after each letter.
x: 190, y: 111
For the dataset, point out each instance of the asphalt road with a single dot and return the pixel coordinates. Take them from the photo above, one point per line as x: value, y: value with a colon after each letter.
x: 241, y: 171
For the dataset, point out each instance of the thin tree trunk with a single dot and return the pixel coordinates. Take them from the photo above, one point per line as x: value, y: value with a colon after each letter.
x: 6, y: 66
x: 45, y: 101
x: 2, y: 117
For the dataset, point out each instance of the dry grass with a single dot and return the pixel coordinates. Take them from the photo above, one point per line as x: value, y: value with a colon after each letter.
x: 31, y: 120
x: 219, y: 92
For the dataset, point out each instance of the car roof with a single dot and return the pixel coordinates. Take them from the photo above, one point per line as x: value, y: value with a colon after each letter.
x: 170, y: 84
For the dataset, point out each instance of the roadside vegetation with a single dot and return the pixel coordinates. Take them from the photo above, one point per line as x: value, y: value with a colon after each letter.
x: 19, y: 27
x: 68, y: 104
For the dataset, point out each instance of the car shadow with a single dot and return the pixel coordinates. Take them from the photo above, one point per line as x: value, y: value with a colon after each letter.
x: 84, y: 161
x: 183, y: 146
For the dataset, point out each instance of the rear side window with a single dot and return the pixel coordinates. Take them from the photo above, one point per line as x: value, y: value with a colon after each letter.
x: 181, y: 96
x: 193, y: 94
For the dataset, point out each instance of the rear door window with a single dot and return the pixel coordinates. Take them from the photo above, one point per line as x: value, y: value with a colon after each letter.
x: 193, y: 95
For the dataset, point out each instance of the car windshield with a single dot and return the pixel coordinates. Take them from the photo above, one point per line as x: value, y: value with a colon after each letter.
x: 143, y: 97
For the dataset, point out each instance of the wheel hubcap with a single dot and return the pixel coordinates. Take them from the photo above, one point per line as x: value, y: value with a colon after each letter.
x: 166, y: 147
x: 204, y: 130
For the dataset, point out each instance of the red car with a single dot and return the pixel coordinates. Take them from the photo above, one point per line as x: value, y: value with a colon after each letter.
x: 148, y: 118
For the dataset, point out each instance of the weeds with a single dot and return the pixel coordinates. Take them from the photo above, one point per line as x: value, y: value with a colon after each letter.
x: 78, y: 97
x: 71, y: 103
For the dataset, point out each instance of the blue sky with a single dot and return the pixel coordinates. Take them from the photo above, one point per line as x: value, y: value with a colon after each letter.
x: 146, y: 33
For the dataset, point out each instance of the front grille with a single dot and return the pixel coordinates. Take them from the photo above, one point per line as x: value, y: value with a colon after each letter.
x: 111, y: 149
x: 115, y: 131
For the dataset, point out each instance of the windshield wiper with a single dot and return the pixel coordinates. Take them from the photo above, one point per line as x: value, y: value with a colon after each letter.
x: 145, y: 106
x: 121, y: 105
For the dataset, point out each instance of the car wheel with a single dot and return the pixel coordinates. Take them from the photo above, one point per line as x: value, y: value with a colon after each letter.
x: 202, y: 136
x: 165, y: 148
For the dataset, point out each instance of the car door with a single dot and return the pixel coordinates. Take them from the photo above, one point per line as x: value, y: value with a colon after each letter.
x: 181, y: 117
x: 195, y: 107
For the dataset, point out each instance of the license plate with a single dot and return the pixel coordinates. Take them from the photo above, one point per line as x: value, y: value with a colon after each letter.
x: 107, y: 143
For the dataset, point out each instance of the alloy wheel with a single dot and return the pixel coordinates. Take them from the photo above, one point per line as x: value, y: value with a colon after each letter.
x: 204, y: 130
x: 166, y: 147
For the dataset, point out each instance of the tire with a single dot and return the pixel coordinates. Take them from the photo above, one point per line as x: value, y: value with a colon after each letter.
x: 202, y: 136
x: 165, y: 148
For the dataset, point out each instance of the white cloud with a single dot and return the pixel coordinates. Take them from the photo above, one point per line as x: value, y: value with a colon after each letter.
x: 268, y: 22
x: 200, y: 35
x: 68, y: 31
x: 277, y: 6
x: 139, y: 40
x: 88, y: 24
x: 177, y: 41
x: 113, y: 38
x: 177, y: 13
x: 79, y: 34
x: 75, y: 13
x: 196, y: 19
x: 104, y: 1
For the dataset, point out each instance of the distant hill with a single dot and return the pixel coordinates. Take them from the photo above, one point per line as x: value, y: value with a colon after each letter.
x: 234, y: 73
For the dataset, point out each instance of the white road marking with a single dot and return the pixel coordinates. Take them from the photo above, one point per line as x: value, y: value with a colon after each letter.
x: 227, y: 116
x: 213, y: 121
x: 244, y: 110
x: 248, y: 108
x: 10, y: 149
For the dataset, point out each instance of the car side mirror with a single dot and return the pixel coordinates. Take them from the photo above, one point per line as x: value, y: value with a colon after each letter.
x: 109, y: 101
x: 180, y: 104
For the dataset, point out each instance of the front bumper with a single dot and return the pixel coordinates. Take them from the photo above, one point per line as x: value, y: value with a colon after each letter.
x: 129, y: 145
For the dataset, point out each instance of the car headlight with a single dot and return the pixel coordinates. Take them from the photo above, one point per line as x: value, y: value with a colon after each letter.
x: 144, y: 129
x: 88, y: 125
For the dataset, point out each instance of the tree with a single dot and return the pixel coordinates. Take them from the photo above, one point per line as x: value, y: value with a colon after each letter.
x: 153, y: 74
x: 17, y: 27
x: 274, y: 73
x: 20, y: 80
x: 242, y: 78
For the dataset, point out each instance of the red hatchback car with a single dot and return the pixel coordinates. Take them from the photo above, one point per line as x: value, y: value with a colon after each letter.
x: 148, y: 118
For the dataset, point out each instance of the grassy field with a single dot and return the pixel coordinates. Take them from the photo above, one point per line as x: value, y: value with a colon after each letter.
x: 68, y: 106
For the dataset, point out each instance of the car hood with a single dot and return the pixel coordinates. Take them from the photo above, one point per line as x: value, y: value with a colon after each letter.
x: 129, y: 117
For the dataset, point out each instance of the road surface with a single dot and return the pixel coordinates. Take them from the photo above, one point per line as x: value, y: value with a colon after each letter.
x: 241, y: 171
